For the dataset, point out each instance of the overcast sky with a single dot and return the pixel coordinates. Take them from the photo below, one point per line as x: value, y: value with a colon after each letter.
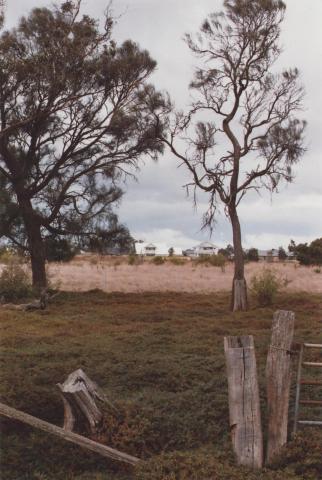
x: 156, y: 208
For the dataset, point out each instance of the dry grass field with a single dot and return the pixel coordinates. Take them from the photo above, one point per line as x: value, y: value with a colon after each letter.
x: 114, y: 274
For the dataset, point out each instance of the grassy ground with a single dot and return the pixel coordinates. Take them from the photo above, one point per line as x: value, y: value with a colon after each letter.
x: 159, y: 358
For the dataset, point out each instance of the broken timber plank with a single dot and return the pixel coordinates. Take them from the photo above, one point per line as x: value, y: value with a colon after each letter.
x: 74, y: 438
x: 244, y: 406
x: 79, y: 394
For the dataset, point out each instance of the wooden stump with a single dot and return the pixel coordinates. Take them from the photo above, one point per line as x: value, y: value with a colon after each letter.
x: 278, y: 378
x: 244, y: 406
x: 79, y: 394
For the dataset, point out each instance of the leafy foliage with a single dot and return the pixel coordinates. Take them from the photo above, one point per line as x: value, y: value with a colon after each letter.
x: 115, y: 238
x: 266, y: 286
x: 177, y: 261
x: 158, y: 260
x: 135, y: 259
x: 14, y: 282
x: 228, y: 252
x: 282, y: 255
x: 59, y: 249
x: 241, y: 132
x: 308, y: 254
x: 218, y: 260
x: 252, y: 255
x: 76, y: 119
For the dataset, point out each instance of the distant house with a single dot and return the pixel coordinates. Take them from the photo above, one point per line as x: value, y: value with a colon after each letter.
x: 204, y: 248
x: 189, y: 252
x: 268, y: 255
x: 149, y: 250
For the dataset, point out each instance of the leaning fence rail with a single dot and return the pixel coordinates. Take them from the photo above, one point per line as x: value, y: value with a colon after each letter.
x: 74, y: 438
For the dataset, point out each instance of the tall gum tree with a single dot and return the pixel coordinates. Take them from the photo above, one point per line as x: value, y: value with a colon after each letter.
x: 73, y: 121
x: 241, y: 132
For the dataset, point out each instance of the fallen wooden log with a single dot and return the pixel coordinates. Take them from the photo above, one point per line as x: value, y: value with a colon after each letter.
x: 40, y: 304
x: 74, y: 438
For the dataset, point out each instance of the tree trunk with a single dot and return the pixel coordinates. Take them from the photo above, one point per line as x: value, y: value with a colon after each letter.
x: 37, y: 256
x: 35, y: 244
x: 239, y: 299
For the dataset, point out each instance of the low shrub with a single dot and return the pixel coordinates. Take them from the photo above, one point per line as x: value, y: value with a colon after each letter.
x: 134, y: 259
x: 252, y: 255
x: 266, y: 285
x: 218, y: 260
x: 317, y: 270
x: 14, y: 282
x: 158, y: 260
x: 7, y: 256
x: 176, y: 261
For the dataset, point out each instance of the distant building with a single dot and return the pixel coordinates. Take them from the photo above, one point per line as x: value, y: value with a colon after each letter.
x: 149, y: 250
x: 190, y: 252
x: 204, y: 248
x: 268, y: 255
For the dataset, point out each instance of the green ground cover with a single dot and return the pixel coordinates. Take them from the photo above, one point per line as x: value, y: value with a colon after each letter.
x: 159, y: 358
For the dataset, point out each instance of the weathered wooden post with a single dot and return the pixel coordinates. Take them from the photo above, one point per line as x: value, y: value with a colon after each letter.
x: 278, y: 378
x: 79, y: 394
x: 244, y: 406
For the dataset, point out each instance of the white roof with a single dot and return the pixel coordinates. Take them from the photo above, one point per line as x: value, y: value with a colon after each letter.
x: 206, y: 245
x: 160, y: 248
x: 268, y: 253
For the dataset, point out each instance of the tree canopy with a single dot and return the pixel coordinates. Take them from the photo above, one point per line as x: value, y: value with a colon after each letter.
x: 242, y: 132
x: 74, y: 121
x: 307, y: 254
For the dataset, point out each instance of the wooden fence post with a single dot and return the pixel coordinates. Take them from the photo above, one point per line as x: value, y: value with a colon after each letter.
x: 278, y: 379
x: 244, y: 406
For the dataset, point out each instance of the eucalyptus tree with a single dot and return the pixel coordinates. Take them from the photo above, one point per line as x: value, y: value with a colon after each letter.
x: 241, y: 132
x: 74, y: 120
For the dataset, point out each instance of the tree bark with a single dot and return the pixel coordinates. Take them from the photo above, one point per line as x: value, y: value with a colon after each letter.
x: 35, y: 244
x: 239, y: 300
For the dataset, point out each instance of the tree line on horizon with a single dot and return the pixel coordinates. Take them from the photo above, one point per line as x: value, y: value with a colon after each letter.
x: 78, y: 114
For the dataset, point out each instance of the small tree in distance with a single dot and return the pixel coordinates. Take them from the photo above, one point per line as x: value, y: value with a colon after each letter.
x: 252, y: 255
x: 307, y: 254
x: 246, y: 133
x: 282, y: 255
x: 227, y: 252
